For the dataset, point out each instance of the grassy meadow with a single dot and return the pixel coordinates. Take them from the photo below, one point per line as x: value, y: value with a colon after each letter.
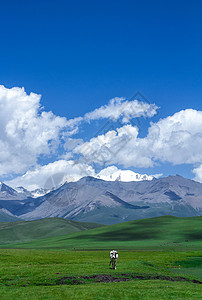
x: 152, y: 234
x: 26, y: 231
x: 158, y: 259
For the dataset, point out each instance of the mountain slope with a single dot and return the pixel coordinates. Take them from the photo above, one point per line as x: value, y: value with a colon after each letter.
x: 31, y: 230
x: 6, y: 216
x: 154, y: 233
x: 8, y: 193
x: 109, y: 202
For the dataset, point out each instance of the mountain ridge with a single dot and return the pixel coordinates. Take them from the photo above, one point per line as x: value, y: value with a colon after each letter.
x: 92, y: 199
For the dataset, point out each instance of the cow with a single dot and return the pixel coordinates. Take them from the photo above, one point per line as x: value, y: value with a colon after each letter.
x: 113, y: 259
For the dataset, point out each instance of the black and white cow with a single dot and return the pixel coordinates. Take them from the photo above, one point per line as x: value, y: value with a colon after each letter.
x: 113, y: 258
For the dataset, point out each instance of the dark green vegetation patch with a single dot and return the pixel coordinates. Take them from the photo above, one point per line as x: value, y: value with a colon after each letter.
x: 122, y: 277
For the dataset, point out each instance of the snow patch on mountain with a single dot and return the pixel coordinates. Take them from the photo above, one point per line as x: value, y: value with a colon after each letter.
x: 114, y: 174
x: 34, y: 194
x: 40, y: 192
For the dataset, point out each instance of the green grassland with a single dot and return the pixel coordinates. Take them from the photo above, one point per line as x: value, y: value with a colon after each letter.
x: 22, y: 231
x: 161, y: 258
x: 37, y: 274
x: 155, y: 234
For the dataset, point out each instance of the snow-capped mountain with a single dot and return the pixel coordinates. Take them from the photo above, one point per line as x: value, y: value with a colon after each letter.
x: 34, y: 194
x: 22, y: 190
x: 95, y: 200
x: 8, y: 193
x: 6, y: 189
x: 19, y: 193
x: 53, y: 182
x: 114, y: 174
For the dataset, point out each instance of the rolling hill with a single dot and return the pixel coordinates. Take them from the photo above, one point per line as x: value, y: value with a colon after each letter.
x: 153, y: 233
x: 22, y: 231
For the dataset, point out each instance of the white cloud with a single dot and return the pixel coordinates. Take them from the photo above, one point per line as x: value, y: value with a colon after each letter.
x: 73, y: 126
x: 26, y: 131
x: 117, y: 109
x: 176, y: 139
x: 70, y: 143
x: 198, y: 173
x: 52, y: 175
x: 122, y: 108
x: 119, y: 146
x: 55, y: 174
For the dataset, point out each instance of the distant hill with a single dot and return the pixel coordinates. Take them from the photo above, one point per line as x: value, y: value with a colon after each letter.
x: 153, y: 233
x: 31, y: 230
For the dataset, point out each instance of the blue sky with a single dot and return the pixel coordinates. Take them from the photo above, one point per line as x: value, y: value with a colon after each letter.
x: 80, y: 54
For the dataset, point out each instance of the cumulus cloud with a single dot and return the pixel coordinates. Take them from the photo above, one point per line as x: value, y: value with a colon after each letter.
x: 52, y: 175
x: 198, y: 173
x: 55, y: 174
x: 108, y: 148
x: 26, y: 131
x: 176, y: 139
x: 122, y: 108
x: 73, y: 126
x: 118, y: 108
x: 71, y: 143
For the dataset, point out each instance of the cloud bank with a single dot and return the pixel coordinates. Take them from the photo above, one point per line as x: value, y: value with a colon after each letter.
x: 198, y: 173
x: 26, y: 131
x: 29, y: 133
x: 52, y: 175
x: 176, y: 139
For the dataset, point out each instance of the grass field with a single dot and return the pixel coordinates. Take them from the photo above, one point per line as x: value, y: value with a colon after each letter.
x: 39, y: 274
x: 32, y: 230
x: 158, y: 259
x: 153, y: 234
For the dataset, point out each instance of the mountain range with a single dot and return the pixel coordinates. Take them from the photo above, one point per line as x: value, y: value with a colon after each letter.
x: 107, y: 202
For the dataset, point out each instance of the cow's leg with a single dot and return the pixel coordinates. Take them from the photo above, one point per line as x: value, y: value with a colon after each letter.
x: 113, y: 264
